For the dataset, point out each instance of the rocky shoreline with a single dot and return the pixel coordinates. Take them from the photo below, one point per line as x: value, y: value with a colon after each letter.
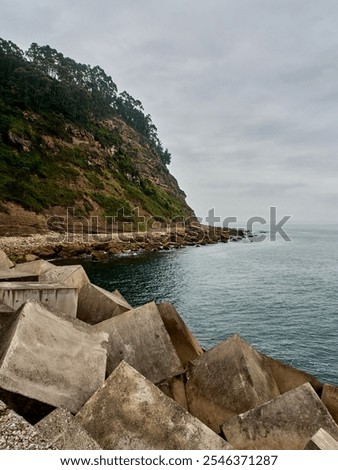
x: 54, y: 245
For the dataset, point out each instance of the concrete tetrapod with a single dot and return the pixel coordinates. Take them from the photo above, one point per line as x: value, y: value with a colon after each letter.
x: 286, y: 423
x: 51, y: 358
x: 129, y: 412
x: 140, y: 338
x: 227, y: 380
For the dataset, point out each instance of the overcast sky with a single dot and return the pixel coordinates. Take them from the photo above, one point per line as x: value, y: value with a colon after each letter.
x: 244, y: 93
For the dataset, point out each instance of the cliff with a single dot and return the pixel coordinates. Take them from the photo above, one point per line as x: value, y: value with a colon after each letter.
x: 105, y: 171
x: 70, y: 146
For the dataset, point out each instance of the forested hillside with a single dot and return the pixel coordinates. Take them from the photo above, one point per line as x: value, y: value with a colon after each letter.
x: 68, y: 138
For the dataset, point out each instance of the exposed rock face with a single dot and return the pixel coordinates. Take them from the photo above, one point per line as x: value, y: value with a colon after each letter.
x: 128, y: 172
x: 129, y: 412
x: 19, y: 221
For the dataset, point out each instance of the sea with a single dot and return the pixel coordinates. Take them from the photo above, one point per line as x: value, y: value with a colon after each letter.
x: 280, y: 296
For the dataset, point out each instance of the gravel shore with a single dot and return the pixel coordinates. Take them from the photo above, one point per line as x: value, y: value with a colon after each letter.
x: 54, y: 245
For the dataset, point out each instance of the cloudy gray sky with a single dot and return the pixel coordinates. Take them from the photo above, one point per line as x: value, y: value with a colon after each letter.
x: 244, y: 92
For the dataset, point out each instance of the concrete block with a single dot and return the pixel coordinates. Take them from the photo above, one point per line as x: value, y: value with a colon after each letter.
x: 287, y: 423
x: 96, y: 305
x: 330, y: 400
x: 6, y: 315
x: 322, y: 441
x: 129, y: 412
x: 17, y: 434
x: 34, y: 267
x: 61, y: 298
x: 139, y: 337
x: 9, y: 275
x: 175, y: 389
x: 184, y: 342
x: 52, y: 359
x: 288, y: 377
x: 118, y: 294
x: 71, y: 276
x: 5, y: 262
x: 64, y: 431
x: 227, y: 380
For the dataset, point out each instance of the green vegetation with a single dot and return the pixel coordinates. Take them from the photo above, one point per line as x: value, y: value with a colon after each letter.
x: 44, y: 80
x: 43, y: 97
x: 113, y: 207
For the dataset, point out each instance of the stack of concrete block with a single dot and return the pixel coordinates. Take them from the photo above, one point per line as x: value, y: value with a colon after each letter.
x: 129, y: 412
x: 89, y: 371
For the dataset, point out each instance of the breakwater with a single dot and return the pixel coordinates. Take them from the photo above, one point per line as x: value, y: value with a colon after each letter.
x: 107, y: 371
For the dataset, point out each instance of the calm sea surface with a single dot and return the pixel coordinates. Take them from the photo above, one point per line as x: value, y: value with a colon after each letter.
x: 282, y: 297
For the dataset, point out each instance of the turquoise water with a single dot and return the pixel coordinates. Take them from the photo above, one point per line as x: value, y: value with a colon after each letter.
x: 279, y: 296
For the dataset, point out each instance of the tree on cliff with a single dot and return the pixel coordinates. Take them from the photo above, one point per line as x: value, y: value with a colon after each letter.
x: 44, y: 80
